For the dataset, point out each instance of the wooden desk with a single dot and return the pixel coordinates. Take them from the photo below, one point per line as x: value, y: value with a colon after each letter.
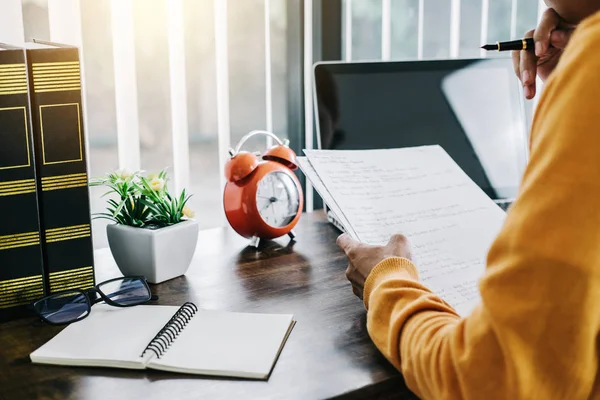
x: 328, y: 354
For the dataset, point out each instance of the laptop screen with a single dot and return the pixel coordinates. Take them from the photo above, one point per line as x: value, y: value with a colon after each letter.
x: 471, y: 108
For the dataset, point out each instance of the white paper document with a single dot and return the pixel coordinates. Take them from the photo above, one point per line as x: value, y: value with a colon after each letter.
x: 423, y: 194
x: 313, y: 177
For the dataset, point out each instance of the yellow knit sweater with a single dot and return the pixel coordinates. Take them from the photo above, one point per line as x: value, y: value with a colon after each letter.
x: 535, y: 334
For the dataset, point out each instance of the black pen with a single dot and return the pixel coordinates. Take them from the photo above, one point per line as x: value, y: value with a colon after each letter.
x: 521, y: 44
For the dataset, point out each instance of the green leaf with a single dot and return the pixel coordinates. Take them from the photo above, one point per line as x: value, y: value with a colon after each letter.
x: 105, y: 217
x: 113, y: 203
x: 105, y: 214
x: 121, y: 205
x: 107, y: 193
x: 181, y: 198
x: 137, y: 203
x: 151, y: 206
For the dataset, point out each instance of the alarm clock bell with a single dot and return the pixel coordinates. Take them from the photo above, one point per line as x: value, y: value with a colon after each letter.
x: 263, y: 198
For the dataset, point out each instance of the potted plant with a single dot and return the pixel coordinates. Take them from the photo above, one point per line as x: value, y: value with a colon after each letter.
x: 154, y: 234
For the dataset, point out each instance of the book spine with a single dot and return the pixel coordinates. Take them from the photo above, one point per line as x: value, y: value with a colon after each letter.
x: 60, y: 152
x: 21, y: 268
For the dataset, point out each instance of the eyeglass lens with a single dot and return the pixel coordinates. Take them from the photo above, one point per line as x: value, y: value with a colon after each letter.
x: 63, y: 307
x: 126, y: 291
x: 74, y: 305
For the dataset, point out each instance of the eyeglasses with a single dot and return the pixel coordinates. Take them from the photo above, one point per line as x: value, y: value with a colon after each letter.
x: 74, y: 305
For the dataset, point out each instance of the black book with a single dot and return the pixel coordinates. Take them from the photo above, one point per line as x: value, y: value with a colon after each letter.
x: 21, y: 268
x: 55, y: 98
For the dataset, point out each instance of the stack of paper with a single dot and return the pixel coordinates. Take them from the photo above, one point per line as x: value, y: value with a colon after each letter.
x: 421, y: 193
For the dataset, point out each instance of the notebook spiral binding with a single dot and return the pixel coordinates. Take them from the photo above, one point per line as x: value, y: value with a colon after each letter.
x: 165, y: 337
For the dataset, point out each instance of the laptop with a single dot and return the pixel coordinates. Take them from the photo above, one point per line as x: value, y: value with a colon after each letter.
x: 473, y: 108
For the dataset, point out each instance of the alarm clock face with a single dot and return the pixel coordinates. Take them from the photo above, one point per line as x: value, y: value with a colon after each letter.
x: 277, y: 199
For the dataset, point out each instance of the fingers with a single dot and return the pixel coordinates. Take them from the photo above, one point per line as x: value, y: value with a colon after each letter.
x: 357, y: 292
x: 399, y: 246
x: 356, y: 288
x: 398, y: 242
x: 516, y: 58
x: 560, y: 38
x: 349, y: 245
x: 349, y: 273
x: 549, y: 22
x: 345, y: 242
x: 528, y: 70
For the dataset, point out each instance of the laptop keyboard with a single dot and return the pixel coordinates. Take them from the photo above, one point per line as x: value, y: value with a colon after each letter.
x: 331, y: 218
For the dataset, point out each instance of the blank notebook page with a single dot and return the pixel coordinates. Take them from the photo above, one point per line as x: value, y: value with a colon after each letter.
x: 227, y: 344
x: 109, y: 336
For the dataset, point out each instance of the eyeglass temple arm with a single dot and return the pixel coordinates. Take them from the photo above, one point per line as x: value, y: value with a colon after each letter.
x: 97, y: 298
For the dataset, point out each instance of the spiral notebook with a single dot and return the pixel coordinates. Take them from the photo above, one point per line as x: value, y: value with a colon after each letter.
x: 182, y: 339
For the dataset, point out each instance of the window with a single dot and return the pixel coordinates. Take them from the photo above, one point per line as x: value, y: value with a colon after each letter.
x: 504, y: 19
x: 148, y: 64
x: 149, y: 23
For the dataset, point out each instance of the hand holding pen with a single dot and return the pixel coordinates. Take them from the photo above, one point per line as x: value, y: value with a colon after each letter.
x: 537, y: 54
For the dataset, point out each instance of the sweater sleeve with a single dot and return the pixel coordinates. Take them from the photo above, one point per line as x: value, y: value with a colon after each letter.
x: 535, y: 333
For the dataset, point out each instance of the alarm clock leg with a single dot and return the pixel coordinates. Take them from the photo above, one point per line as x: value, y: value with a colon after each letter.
x: 292, y: 235
x: 254, y: 241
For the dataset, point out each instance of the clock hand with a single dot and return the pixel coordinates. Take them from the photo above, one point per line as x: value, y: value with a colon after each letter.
x: 273, y: 188
x: 271, y: 199
x: 273, y: 212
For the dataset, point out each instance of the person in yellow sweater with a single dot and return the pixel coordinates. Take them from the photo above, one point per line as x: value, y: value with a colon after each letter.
x: 536, y: 332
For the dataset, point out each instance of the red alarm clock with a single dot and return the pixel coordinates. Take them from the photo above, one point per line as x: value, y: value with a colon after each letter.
x: 263, y: 198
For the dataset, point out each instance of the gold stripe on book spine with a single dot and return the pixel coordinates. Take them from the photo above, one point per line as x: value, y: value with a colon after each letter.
x: 65, y: 186
x: 11, y: 92
x: 60, y: 77
x: 62, y: 279
x: 68, y: 228
x: 68, y: 181
x: 18, y: 182
x: 8, y: 67
x: 63, y: 177
x: 17, y: 236
x: 11, y: 83
x: 72, y: 279
x: 68, y: 233
x: 64, y: 182
x: 11, y: 188
x: 77, y: 284
x: 68, y: 237
x: 55, y: 63
x: 53, y: 90
x: 21, y: 186
x: 20, y: 291
x: 20, y: 281
x: 71, y: 272
x: 17, y: 192
x: 35, y: 287
x: 17, y: 240
x: 56, y: 76
x: 21, y: 299
x: 13, y: 79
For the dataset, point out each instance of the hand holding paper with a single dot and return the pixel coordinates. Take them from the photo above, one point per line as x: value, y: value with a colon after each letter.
x: 363, y: 257
x: 419, y: 192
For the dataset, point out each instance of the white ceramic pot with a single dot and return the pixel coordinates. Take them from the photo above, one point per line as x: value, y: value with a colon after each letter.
x: 159, y: 254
